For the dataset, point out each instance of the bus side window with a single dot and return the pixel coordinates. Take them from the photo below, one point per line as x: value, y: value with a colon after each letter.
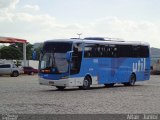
x: 136, y: 51
x: 125, y: 51
x: 89, y: 51
x: 144, y: 50
x: 112, y: 51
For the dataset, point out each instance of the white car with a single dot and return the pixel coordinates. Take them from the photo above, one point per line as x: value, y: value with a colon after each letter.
x: 10, y: 69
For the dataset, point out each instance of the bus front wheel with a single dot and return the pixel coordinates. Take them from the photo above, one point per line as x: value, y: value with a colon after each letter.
x: 86, y: 83
x: 132, y: 81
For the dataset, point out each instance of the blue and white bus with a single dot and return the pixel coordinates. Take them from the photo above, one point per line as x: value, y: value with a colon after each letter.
x: 91, y: 61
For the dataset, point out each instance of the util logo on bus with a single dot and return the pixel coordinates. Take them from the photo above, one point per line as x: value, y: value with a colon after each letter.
x: 140, y: 65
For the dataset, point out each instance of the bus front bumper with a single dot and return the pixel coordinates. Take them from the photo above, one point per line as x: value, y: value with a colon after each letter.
x: 70, y: 82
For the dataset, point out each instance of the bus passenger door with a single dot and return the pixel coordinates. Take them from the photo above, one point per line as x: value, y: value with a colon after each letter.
x: 76, y: 58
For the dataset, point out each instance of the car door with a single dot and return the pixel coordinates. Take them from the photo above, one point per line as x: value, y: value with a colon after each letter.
x: 1, y: 66
x: 5, y: 69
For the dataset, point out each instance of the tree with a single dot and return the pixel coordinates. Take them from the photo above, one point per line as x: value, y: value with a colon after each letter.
x: 38, y: 51
x: 15, y: 51
x: 37, y: 48
x: 8, y: 52
x: 29, y: 49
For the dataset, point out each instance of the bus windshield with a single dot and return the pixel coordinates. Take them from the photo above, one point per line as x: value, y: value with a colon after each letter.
x: 53, y: 58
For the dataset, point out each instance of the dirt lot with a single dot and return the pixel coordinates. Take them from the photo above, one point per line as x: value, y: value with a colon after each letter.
x: 24, y: 95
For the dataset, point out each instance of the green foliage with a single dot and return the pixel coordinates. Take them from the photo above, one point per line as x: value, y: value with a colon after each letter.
x: 9, y: 52
x: 15, y: 51
x: 38, y: 51
x: 29, y: 50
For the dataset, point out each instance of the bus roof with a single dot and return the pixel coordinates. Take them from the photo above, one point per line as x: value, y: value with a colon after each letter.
x: 100, y: 41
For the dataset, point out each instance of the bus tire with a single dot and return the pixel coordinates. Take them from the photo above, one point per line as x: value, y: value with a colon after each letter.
x: 132, y: 80
x: 86, y: 83
x: 60, y: 87
x: 109, y: 85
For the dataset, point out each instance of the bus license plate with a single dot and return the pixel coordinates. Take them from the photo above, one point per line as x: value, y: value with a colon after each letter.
x: 51, y: 83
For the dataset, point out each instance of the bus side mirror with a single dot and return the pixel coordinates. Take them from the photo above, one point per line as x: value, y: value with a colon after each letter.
x: 69, y: 56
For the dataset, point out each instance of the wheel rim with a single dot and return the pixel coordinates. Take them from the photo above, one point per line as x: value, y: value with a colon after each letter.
x: 15, y: 74
x: 85, y: 83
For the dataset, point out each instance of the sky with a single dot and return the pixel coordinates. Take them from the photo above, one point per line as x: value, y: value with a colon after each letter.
x: 40, y: 20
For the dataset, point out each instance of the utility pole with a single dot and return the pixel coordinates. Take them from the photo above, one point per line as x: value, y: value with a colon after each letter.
x: 24, y: 54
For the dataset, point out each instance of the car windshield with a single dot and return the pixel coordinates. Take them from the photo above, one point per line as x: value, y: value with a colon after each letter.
x: 54, y: 57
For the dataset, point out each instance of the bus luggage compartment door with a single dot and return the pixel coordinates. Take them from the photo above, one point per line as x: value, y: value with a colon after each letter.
x: 103, y: 76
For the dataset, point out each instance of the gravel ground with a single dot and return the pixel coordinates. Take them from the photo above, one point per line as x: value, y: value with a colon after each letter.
x: 24, y: 95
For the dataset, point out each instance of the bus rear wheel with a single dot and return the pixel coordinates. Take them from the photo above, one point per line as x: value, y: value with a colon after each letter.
x: 86, y: 83
x: 132, y: 81
x: 60, y: 87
